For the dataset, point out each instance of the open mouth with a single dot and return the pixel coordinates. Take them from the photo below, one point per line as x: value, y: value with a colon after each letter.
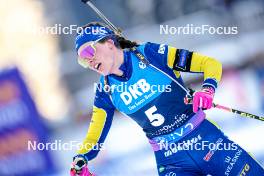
x: 97, y: 66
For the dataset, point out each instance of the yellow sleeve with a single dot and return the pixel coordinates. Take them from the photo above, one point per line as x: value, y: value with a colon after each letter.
x: 97, y: 132
x: 209, y: 66
x: 181, y: 60
x: 171, y: 56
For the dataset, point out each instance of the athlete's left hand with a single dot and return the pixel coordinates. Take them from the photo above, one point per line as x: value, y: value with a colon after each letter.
x: 203, y: 99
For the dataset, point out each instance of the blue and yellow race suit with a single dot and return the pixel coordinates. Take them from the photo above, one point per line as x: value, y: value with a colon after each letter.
x: 153, y: 97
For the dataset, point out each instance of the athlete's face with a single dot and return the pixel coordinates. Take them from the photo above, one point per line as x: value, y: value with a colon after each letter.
x: 98, y: 56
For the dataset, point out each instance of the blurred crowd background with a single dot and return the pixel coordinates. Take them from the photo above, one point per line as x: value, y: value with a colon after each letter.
x: 46, y: 96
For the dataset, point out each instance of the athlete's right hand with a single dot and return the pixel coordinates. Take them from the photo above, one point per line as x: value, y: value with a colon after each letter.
x: 79, y: 167
x: 203, y: 99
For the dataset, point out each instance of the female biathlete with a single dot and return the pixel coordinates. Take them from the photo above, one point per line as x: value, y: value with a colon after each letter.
x: 153, y: 95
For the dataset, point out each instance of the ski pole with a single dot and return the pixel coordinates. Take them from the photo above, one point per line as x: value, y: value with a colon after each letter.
x: 103, y: 17
x: 188, y: 100
x: 242, y: 113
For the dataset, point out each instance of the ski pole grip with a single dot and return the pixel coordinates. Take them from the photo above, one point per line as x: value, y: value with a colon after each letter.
x: 85, y: 1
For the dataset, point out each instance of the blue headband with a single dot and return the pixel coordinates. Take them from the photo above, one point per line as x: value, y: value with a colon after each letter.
x: 91, y: 33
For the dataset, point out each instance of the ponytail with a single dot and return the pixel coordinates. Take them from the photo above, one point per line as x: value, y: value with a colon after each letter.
x: 124, y: 43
